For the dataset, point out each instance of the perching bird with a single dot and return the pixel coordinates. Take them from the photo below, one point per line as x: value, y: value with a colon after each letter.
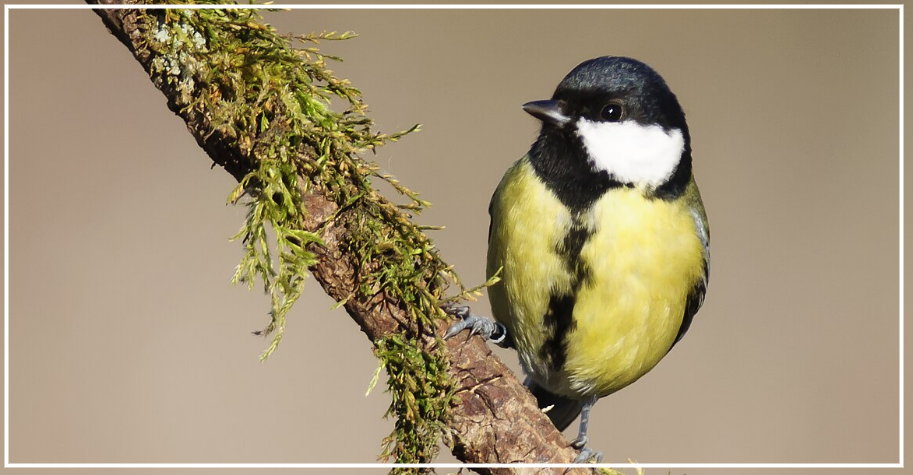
x: 600, y: 237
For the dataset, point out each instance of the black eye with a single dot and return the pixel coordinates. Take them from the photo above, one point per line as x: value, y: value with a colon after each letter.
x: 612, y: 112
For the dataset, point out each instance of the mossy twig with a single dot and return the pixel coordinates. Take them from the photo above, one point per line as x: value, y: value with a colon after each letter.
x: 259, y: 102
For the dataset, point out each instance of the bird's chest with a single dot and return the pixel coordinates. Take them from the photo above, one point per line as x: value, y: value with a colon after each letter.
x: 593, y: 298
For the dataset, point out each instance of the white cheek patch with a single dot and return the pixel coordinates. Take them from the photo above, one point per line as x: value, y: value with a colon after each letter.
x: 633, y: 153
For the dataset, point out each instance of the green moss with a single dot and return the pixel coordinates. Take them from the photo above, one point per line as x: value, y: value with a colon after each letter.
x: 270, y: 95
x: 421, y: 399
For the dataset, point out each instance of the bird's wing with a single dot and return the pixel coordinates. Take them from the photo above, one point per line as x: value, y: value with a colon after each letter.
x: 696, y: 295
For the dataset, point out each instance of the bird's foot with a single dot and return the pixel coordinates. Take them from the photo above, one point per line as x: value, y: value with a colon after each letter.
x: 586, y: 454
x: 487, y: 329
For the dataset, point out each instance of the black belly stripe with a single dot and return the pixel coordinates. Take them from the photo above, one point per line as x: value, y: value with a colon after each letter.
x: 558, y: 321
x: 558, y: 318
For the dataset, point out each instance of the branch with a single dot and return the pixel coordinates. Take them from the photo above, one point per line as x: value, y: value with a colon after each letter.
x: 219, y: 79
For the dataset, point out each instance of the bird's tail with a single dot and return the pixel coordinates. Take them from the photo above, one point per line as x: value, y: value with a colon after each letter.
x: 563, y: 410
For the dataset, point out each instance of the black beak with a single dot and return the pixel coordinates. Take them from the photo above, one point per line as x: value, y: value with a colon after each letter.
x: 548, y: 111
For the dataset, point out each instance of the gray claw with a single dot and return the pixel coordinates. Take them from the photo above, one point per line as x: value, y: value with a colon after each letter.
x: 580, y: 442
x: 456, y: 328
x: 487, y: 329
x: 586, y: 455
x: 461, y: 311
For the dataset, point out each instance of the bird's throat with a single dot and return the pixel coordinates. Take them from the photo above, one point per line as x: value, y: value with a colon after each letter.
x: 560, y: 160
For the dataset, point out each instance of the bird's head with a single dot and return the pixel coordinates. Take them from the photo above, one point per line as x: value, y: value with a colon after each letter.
x: 620, y: 115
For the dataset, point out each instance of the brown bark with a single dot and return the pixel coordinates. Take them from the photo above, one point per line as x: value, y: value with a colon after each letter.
x: 497, y: 420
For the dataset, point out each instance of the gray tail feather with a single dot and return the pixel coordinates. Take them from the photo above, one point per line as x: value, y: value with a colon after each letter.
x: 563, y: 411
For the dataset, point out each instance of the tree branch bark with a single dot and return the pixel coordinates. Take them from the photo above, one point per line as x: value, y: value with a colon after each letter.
x: 496, y: 420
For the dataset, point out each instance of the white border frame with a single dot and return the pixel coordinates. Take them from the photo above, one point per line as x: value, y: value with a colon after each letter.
x: 6, y: 11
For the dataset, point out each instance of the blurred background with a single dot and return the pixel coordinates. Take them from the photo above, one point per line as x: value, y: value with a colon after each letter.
x: 129, y: 344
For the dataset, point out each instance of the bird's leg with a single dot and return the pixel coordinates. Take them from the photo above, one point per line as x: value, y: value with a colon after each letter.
x: 579, y: 443
x: 489, y: 330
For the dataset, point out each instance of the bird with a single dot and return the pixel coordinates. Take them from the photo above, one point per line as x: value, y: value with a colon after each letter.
x: 600, y: 240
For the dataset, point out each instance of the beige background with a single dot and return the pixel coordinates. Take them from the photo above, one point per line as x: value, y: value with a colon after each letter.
x: 128, y: 344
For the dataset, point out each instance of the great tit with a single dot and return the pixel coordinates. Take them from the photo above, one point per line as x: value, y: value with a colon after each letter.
x: 600, y: 238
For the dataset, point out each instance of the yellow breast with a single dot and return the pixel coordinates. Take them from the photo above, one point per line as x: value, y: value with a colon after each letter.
x: 642, y: 258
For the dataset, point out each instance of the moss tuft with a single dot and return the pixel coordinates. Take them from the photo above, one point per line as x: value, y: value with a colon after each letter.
x: 422, y: 395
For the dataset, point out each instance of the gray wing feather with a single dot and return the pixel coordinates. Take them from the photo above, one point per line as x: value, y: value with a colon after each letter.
x: 696, y: 296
